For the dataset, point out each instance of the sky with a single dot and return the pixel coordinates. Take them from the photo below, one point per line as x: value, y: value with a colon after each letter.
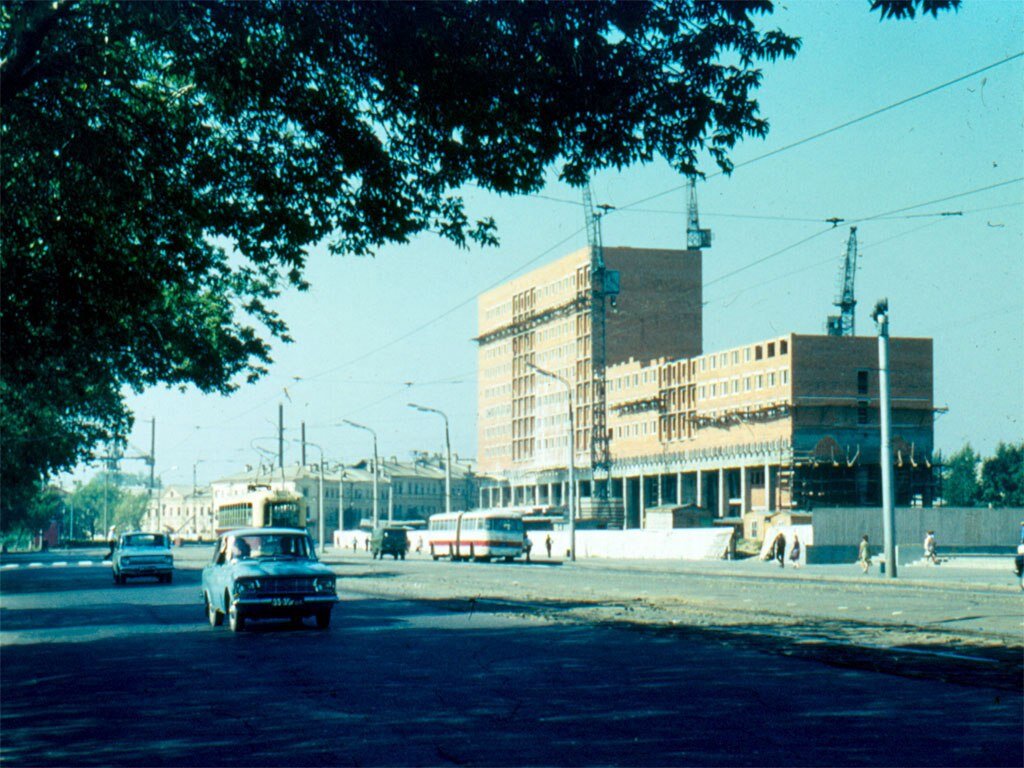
x: 375, y: 334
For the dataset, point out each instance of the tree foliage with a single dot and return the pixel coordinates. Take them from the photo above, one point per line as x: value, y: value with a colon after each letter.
x: 960, y: 478
x: 167, y: 166
x: 1002, y: 476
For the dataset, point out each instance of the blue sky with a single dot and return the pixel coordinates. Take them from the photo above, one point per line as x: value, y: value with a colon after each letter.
x: 374, y: 334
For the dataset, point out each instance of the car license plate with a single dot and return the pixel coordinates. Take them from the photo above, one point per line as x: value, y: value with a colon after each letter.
x: 283, y: 601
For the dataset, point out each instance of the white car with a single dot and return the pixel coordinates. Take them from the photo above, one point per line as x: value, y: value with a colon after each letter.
x: 143, y: 554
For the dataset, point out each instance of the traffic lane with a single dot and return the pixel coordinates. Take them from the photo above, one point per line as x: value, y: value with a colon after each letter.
x: 412, y: 683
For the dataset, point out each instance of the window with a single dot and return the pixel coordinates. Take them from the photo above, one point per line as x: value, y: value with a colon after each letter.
x: 757, y: 352
x: 771, y: 349
x: 735, y: 356
x: 771, y: 379
x: 783, y: 347
x: 785, y: 375
x: 746, y: 384
x: 862, y: 382
x: 760, y: 381
x: 746, y: 355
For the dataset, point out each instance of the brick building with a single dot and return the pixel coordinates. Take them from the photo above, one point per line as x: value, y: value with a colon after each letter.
x: 785, y: 423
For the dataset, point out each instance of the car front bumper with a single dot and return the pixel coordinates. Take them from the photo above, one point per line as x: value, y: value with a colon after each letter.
x: 285, y: 605
x: 152, y: 569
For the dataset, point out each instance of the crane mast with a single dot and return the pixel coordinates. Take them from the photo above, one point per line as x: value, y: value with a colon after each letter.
x: 604, y: 284
x: 843, y: 324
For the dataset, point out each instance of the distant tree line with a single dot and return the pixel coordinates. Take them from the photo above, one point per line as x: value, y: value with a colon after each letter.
x: 968, y: 480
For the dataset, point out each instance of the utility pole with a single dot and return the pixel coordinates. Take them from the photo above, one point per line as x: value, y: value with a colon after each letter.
x: 881, y: 317
x: 152, y: 457
x: 280, y: 438
x: 376, y: 495
x: 303, y: 443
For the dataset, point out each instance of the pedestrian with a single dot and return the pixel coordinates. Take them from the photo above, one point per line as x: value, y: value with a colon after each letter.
x: 864, y: 554
x: 929, y: 548
x: 112, y: 541
x: 779, y: 550
x: 794, y: 551
x: 548, y: 542
x: 355, y: 544
x: 527, y: 546
x: 1018, y: 561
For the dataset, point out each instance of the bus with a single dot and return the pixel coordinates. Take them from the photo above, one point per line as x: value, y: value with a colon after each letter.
x: 262, y: 507
x: 479, y: 535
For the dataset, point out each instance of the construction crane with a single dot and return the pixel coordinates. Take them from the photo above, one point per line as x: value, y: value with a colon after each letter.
x: 604, y: 283
x: 696, y: 238
x: 843, y: 323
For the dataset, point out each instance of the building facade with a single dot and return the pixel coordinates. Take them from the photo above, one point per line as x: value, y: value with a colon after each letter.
x: 407, y: 491
x: 786, y: 423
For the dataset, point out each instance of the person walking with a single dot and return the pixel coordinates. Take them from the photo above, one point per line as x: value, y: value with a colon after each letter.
x: 779, y: 550
x: 547, y: 544
x: 794, y: 551
x: 527, y: 546
x: 112, y: 541
x: 864, y: 554
x: 1018, y: 561
x: 929, y: 548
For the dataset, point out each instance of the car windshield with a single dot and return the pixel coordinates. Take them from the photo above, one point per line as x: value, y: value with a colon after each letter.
x: 265, y: 545
x: 145, y: 540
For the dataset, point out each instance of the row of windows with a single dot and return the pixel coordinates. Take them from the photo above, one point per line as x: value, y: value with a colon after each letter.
x: 755, y: 352
x: 755, y: 382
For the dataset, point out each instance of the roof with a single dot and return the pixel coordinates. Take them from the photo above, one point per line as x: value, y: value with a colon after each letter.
x: 261, y: 531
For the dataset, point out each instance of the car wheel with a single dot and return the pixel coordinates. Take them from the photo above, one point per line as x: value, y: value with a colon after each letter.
x: 236, y: 620
x: 215, y: 617
x: 169, y: 578
x: 323, y: 619
x: 296, y: 621
x: 117, y: 576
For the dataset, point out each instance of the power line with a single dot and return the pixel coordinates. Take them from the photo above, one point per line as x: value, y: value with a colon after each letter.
x: 835, y: 128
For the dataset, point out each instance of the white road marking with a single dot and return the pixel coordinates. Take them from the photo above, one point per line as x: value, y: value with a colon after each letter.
x: 85, y: 562
x: 61, y: 564
x: 35, y: 565
x: 9, y: 566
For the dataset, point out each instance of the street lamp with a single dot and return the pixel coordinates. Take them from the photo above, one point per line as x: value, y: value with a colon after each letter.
x: 376, y: 511
x: 195, y: 485
x: 880, y: 315
x: 448, y: 455
x: 572, y: 456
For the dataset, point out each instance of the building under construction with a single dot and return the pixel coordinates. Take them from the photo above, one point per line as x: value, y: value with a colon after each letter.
x: 785, y: 423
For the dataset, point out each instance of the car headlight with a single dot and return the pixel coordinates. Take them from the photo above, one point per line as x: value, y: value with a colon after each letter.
x: 323, y: 584
x: 125, y: 561
x: 244, y: 587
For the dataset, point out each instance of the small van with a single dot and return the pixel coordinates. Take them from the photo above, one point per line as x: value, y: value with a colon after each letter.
x: 389, y: 541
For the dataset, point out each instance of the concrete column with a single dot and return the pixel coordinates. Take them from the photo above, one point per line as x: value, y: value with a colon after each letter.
x: 769, y: 497
x: 723, y: 502
x: 743, y: 490
x: 661, y: 482
x: 643, y: 500
x: 700, y: 489
x: 679, y: 487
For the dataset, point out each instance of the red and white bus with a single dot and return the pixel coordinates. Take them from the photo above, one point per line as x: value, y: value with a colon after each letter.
x: 479, y: 535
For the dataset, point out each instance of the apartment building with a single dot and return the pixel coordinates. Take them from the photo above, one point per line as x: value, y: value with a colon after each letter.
x: 180, y: 510
x: 789, y: 422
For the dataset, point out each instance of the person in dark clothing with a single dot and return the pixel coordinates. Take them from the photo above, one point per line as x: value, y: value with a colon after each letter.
x: 779, y: 550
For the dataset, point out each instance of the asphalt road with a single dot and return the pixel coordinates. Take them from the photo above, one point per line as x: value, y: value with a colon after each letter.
x: 471, y: 664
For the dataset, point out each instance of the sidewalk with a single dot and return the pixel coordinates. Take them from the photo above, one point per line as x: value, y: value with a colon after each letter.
x: 981, y: 573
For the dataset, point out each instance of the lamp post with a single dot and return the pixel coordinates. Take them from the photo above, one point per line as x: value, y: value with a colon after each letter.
x: 195, y: 485
x: 448, y: 455
x: 572, y: 456
x: 376, y: 510
x: 881, y: 317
